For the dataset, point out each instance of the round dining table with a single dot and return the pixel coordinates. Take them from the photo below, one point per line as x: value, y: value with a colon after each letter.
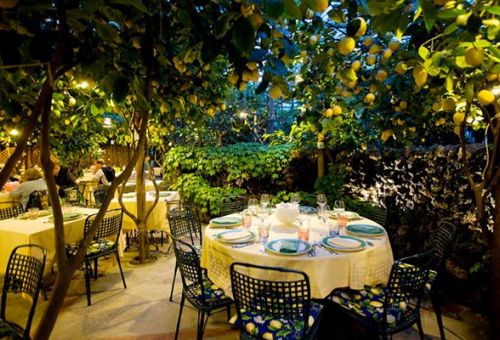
x: 326, y: 269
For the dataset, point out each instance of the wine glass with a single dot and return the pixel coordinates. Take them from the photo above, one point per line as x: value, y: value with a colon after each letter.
x: 321, y: 200
x: 295, y: 198
x: 261, y: 214
x: 252, y: 206
x: 264, y: 200
x: 339, y: 206
x: 323, y: 214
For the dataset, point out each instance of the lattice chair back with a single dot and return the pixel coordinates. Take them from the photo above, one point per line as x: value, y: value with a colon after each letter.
x: 286, y: 297
x: 38, y: 199
x: 188, y: 263
x: 24, y: 275
x: 406, y: 285
x: 231, y: 205
x: 100, y: 195
x: 441, y: 241
x: 10, y: 210
x: 109, y: 228
x: 185, y: 223
x: 73, y: 195
x: 377, y: 214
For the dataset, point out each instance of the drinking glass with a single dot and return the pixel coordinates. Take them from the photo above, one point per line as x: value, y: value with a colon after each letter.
x: 252, y: 206
x: 333, y: 228
x: 321, y: 200
x: 295, y: 198
x: 261, y: 214
x: 263, y: 230
x: 33, y: 212
x: 264, y: 200
x: 303, y: 233
x: 323, y: 214
x: 339, y: 206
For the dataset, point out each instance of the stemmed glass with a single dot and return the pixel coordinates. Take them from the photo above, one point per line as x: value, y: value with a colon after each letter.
x: 261, y: 214
x: 252, y: 206
x: 323, y: 214
x: 321, y: 200
x: 264, y: 200
x: 339, y: 206
x: 295, y: 198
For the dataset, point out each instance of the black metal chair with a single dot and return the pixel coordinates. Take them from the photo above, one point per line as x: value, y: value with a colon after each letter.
x: 389, y: 309
x: 185, y: 225
x: 377, y: 214
x: 100, y: 195
x: 441, y: 241
x: 10, y: 210
x: 282, y: 306
x: 105, y: 243
x: 23, y: 275
x: 72, y: 195
x: 197, y: 288
x: 38, y: 199
x: 231, y: 205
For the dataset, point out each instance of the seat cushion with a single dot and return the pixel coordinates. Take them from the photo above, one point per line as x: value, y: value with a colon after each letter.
x: 96, y: 246
x: 368, y: 303
x: 8, y: 331
x: 267, y: 326
x: 211, y: 292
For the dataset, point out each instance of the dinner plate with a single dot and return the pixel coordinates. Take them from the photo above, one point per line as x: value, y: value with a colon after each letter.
x: 26, y: 215
x: 343, y: 243
x: 68, y: 216
x: 235, y: 236
x: 307, y: 210
x: 129, y: 195
x: 350, y: 215
x: 365, y: 230
x: 288, y: 247
x: 164, y: 194
x: 225, y: 222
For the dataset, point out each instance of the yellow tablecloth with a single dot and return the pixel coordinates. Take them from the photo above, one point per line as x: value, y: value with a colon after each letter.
x: 326, y: 271
x: 157, y: 219
x: 14, y: 232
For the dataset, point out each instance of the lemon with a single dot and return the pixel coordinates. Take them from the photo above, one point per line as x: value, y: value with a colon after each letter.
x: 456, y: 130
x: 458, y: 118
x: 267, y: 336
x: 436, y: 106
x: 328, y: 113
x: 242, y: 86
x: 17, y: 118
x: 303, y: 54
x: 276, y: 324
x: 403, y: 104
x: 412, y: 129
x: 246, y: 10
x: 321, y: 5
x: 394, y: 45
x: 313, y: 39
x: 136, y: 42
x: 485, y: 97
x: 420, y: 75
x: 387, y: 54
x: 491, y: 76
x: 233, y: 78
x: 337, y: 110
x: 275, y: 92
x: 309, y: 14
x: 374, y: 49
x: 474, y: 56
x: 211, y: 112
x: 401, y: 67
x: 351, y: 84
x: 367, y: 41
x: 252, y: 65
x: 346, y: 45
x: 362, y: 27
x: 371, y: 59
x: 448, y: 104
x: 440, y: 122
x: 71, y: 101
x: 193, y: 99
x: 330, y: 51
x: 386, y: 135
x: 67, y: 122
x: 400, y: 122
x: 373, y: 88
x: 369, y: 98
x: 223, y: 107
x: 250, y: 327
x: 356, y: 65
x: 462, y: 19
x: 381, y: 75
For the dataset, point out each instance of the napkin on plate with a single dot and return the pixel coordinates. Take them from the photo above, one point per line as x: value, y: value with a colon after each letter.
x: 289, y: 246
x: 237, y: 235
x: 343, y: 242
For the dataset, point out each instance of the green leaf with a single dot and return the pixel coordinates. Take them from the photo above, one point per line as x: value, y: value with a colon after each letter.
x: 429, y: 13
x: 349, y: 74
x: 292, y: 10
x: 449, y: 83
x: 450, y: 29
x: 274, y: 8
x: 134, y: 3
x: 378, y: 7
x: 107, y: 33
x: 495, y: 53
x: 469, y: 91
x: 481, y: 43
x: 493, y: 10
x: 337, y: 15
x: 243, y: 35
x: 495, y: 69
x: 423, y: 52
x: 450, y: 13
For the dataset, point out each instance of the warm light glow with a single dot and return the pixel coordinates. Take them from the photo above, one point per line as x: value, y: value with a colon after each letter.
x: 83, y: 84
x: 243, y: 114
x: 298, y: 78
x: 14, y: 132
x: 107, y: 122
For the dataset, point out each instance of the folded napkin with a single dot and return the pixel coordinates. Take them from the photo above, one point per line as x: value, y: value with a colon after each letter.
x: 237, y: 235
x: 226, y: 220
x: 289, y: 246
x: 343, y: 242
x: 365, y: 229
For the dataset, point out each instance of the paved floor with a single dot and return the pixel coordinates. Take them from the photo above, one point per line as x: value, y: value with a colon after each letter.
x: 142, y: 311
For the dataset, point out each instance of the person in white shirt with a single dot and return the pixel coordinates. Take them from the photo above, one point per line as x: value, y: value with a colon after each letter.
x: 31, y: 180
x: 99, y: 173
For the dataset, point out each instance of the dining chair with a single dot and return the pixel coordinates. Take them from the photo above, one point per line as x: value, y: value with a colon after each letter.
x: 441, y: 241
x: 280, y: 307
x: 388, y: 309
x: 202, y: 293
x: 232, y: 204
x: 73, y: 195
x: 10, y: 209
x: 99, y: 195
x: 23, y: 275
x: 38, y: 199
x: 105, y: 243
x: 185, y: 224
x: 376, y: 213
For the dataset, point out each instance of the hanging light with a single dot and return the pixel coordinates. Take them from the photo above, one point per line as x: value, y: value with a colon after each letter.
x: 14, y: 132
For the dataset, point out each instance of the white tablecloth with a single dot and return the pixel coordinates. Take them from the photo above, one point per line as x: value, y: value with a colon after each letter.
x: 14, y: 232
x: 157, y: 219
x: 326, y: 271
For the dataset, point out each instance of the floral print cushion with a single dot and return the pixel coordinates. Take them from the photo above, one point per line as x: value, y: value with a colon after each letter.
x: 95, y: 247
x: 211, y: 292
x: 7, y: 331
x: 269, y: 327
x: 369, y: 303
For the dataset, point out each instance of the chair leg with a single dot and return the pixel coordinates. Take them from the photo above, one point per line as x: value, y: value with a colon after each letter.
x: 95, y: 268
x: 420, y: 329
x: 201, y: 322
x: 228, y: 311
x: 173, y: 283
x: 87, y: 281
x: 436, y: 305
x: 179, y: 318
x: 121, y: 270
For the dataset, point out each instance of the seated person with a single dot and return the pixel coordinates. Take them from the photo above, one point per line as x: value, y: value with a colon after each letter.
x: 64, y: 179
x: 31, y: 180
x: 102, y: 173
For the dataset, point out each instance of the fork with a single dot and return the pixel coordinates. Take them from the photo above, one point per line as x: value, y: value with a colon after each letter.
x: 312, y: 252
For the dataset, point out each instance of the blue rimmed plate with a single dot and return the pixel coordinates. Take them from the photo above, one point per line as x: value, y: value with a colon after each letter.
x: 365, y: 230
x: 307, y: 210
x: 226, y: 222
x: 288, y: 247
x: 235, y: 236
x: 343, y: 243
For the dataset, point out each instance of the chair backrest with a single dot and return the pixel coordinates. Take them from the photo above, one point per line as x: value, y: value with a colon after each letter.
x: 38, y: 199
x: 109, y: 227
x: 185, y: 222
x: 231, y: 205
x: 377, y: 214
x: 100, y: 195
x: 72, y: 195
x: 188, y: 263
x: 441, y: 240
x: 286, y: 296
x: 406, y: 284
x: 24, y: 275
x: 10, y: 209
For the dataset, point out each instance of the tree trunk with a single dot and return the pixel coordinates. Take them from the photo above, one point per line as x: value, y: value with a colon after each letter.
x: 141, y: 210
x: 495, y: 269
x: 321, y: 156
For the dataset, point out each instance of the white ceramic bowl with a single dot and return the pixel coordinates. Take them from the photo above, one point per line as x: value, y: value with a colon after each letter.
x: 287, y: 213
